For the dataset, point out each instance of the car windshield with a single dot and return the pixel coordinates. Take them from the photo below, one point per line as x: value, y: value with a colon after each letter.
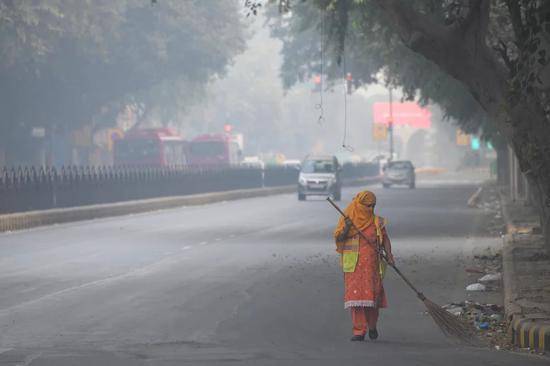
x: 399, y: 165
x: 318, y: 166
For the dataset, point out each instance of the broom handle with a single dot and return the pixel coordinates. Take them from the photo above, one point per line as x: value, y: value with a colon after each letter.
x: 409, y: 283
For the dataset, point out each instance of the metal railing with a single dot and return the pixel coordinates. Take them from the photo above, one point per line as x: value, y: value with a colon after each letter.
x: 38, y: 188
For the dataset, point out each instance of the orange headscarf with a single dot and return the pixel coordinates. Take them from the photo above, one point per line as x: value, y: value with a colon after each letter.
x: 361, y: 215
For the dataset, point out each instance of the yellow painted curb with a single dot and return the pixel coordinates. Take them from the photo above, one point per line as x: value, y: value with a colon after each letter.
x: 530, y: 333
x: 30, y: 219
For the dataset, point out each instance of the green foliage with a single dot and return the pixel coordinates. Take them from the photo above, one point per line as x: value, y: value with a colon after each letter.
x: 366, y: 40
x: 496, y: 49
x: 67, y: 63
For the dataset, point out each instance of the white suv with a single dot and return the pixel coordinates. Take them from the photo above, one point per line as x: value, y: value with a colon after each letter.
x: 320, y: 176
x: 399, y: 172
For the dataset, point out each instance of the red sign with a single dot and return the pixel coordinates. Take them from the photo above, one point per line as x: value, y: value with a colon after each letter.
x: 408, y: 113
x: 227, y: 128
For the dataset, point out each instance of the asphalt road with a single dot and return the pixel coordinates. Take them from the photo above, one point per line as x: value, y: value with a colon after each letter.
x: 249, y: 282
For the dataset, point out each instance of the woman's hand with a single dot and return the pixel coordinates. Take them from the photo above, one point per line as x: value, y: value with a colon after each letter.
x: 342, y: 237
x: 390, y: 259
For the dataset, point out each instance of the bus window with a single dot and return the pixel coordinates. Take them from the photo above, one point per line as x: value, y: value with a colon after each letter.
x: 137, y: 152
x: 173, y: 153
x: 208, y: 148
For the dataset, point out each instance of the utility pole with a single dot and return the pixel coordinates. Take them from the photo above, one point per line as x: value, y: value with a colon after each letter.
x: 390, y: 125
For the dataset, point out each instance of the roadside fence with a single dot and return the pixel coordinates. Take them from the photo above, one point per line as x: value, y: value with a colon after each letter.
x: 39, y: 188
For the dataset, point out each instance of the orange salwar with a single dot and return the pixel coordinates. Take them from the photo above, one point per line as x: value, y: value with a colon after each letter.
x: 361, y: 317
x: 364, y: 287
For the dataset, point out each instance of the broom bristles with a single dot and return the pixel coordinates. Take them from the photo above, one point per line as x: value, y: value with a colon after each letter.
x: 451, y: 325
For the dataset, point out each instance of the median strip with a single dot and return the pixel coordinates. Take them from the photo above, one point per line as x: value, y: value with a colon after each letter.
x: 31, y: 219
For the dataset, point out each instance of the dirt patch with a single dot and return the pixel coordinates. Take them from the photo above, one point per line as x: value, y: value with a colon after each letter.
x: 492, y: 223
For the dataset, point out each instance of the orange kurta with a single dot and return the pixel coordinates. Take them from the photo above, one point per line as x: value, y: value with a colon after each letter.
x: 364, y: 287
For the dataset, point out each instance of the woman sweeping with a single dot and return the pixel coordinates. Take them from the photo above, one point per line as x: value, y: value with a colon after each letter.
x: 363, y: 264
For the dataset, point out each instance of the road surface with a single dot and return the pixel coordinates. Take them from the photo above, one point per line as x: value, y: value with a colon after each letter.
x: 249, y: 282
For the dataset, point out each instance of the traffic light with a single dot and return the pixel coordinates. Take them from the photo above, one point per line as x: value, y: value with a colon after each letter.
x: 475, y: 143
x: 349, y: 83
x: 316, y: 83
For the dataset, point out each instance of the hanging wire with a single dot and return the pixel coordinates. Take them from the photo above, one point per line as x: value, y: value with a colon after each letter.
x: 319, y: 106
x: 344, y: 139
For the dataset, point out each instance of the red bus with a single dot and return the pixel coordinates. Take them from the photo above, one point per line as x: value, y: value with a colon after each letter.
x: 214, y: 150
x: 151, y: 147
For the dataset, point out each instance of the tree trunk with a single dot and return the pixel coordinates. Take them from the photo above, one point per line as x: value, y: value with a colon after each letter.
x: 463, y: 53
x: 534, y: 162
x: 542, y: 203
x: 503, y: 164
x: 531, y: 143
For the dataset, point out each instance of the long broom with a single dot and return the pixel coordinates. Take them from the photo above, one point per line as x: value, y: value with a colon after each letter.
x: 450, y: 325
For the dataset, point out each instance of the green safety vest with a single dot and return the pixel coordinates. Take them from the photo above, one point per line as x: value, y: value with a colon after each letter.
x: 350, y: 250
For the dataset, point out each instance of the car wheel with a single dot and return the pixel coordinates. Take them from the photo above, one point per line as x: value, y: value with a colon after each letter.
x: 385, y: 185
x: 301, y: 197
x: 412, y: 185
x: 337, y: 195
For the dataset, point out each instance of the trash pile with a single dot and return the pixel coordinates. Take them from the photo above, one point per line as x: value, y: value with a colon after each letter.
x: 489, y: 202
x: 489, y: 282
x: 488, y: 267
x: 488, y: 319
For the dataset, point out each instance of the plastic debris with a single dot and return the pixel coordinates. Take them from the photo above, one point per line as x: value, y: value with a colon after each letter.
x: 476, y: 287
x: 491, y: 277
x: 454, y: 309
x: 483, y: 326
x: 474, y: 270
x: 488, y: 319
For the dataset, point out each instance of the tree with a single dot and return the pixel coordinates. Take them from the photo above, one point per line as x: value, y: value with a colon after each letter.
x: 68, y: 63
x: 496, y: 51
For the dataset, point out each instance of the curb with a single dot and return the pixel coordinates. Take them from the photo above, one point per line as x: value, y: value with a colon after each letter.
x: 31, y: 219
x: 510, y: 308
x: 526, y: 332
x: 474, y: 199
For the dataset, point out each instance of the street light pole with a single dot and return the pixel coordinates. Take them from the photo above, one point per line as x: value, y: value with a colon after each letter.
x: 390, y: 125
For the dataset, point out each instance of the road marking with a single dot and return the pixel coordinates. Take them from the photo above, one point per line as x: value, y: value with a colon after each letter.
x: 136, y: 273
x: 186, y: 248
x: 203, y: 243
x: 218, y: 239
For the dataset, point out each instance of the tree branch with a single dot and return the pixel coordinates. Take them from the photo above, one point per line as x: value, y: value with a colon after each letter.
x: 477, y: 19
x: 460, y: 50
x: 502, y: 49
x: 514, y: 8
x: 413, y: 27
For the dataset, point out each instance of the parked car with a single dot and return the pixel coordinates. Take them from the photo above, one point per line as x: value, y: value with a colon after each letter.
x: 320, y: 176
x: 399, y: 172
